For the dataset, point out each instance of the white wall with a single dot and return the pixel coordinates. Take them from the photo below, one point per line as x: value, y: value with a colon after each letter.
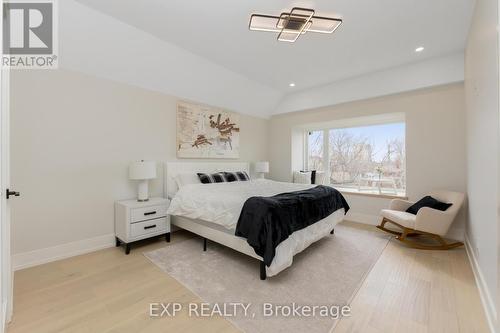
x: 482, y: 119
x: 73, y: 137
x: 435, y: 143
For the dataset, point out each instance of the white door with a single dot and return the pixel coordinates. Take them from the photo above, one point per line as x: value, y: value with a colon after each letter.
x: 7, y: 274
x: 5, y: 263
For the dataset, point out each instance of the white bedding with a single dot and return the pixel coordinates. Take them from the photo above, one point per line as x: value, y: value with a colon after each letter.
x: 221, y: 203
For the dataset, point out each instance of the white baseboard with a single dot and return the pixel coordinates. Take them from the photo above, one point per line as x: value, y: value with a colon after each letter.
x: 4, y: 317
x: 49, y: 254
x: 484, y: 293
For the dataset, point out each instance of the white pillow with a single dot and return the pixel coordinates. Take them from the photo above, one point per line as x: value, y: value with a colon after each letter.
x: 320, y: 178
x: 302, y: 177
x: 184, y: 179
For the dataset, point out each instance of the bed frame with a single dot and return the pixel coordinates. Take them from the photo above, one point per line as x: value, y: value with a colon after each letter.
x: 171, y: 170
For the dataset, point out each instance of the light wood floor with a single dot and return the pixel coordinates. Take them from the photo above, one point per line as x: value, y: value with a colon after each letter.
x: 105, y: 291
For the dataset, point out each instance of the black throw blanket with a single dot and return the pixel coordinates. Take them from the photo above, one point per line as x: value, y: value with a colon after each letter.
x: 267, y: 221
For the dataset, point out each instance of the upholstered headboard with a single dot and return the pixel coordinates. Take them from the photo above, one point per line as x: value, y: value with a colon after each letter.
x: 172, y: 169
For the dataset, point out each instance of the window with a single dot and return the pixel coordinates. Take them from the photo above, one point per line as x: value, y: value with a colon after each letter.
x: 364, y: 159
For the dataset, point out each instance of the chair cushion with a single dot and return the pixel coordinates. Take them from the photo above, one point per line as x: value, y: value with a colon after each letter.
x: 403, y: 218
x: 430, y: 202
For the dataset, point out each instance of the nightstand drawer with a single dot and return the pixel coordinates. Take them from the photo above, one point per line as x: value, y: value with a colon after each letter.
x: 147, y: 213
x: 147, y: 227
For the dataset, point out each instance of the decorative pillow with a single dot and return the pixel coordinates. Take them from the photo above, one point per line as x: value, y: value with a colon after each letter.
x: 236, y: 176
x: 317, y: 177
x: 302, y: 177
x: 184, y: 179
x: 430, y: 202
x: 208, y: 178
x: 320, y: 178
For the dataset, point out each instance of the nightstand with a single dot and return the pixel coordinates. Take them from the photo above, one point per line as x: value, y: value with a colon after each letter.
x: 136, y: 220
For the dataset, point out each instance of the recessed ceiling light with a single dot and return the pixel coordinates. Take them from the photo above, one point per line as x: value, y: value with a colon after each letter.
x: 290, y: 25
x: 419, y: 49
x: 292, y: 84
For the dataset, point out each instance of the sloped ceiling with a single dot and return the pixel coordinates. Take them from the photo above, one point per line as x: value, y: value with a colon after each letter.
x: 203, y: 50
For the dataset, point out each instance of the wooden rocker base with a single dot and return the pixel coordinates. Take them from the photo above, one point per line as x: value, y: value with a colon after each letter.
x: 408, y: 232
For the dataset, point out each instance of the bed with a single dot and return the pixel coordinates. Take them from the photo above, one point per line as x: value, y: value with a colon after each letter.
x: 212, y: 211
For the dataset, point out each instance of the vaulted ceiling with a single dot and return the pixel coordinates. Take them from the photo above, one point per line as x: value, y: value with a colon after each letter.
x: 375, y: 36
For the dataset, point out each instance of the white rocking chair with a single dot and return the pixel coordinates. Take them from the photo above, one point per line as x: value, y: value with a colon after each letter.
x: 428, y: 222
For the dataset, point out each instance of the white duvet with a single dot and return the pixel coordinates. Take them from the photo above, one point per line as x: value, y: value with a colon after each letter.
x: 221, y: 203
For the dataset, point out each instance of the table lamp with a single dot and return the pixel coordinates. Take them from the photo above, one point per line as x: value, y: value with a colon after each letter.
x: 261, y: 168
x: 142, y: 171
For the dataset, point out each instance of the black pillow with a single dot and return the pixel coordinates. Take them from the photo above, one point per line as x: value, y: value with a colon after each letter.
x: 430, y: 202
x: 236, y: 176
x: 206, y: 178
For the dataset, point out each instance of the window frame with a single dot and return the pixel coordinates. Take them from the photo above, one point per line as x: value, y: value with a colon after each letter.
x: 326, y: 147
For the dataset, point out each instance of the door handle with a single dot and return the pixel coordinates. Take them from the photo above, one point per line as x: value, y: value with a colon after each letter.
x: 10, y: 193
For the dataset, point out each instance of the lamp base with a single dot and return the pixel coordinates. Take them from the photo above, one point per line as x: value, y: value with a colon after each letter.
x: 143, y: 191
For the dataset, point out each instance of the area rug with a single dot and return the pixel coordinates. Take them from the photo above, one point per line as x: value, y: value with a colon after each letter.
x: 326, y: 275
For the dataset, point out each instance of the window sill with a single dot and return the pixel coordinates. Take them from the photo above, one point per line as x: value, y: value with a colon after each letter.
x: 373, y: 195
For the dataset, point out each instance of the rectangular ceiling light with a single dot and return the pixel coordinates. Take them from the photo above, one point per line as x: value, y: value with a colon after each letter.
x: 293, y: 24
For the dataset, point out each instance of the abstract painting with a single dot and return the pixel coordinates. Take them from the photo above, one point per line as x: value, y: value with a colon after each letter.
x: 206, y: 132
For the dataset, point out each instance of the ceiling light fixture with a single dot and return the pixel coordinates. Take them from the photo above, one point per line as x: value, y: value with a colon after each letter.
x: 290, y: 26
x: 419, y: 49
x: 292, y: 84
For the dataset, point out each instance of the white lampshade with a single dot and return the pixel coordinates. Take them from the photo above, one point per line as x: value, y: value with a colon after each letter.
x: 142, y: 170
x: 262, y: 167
